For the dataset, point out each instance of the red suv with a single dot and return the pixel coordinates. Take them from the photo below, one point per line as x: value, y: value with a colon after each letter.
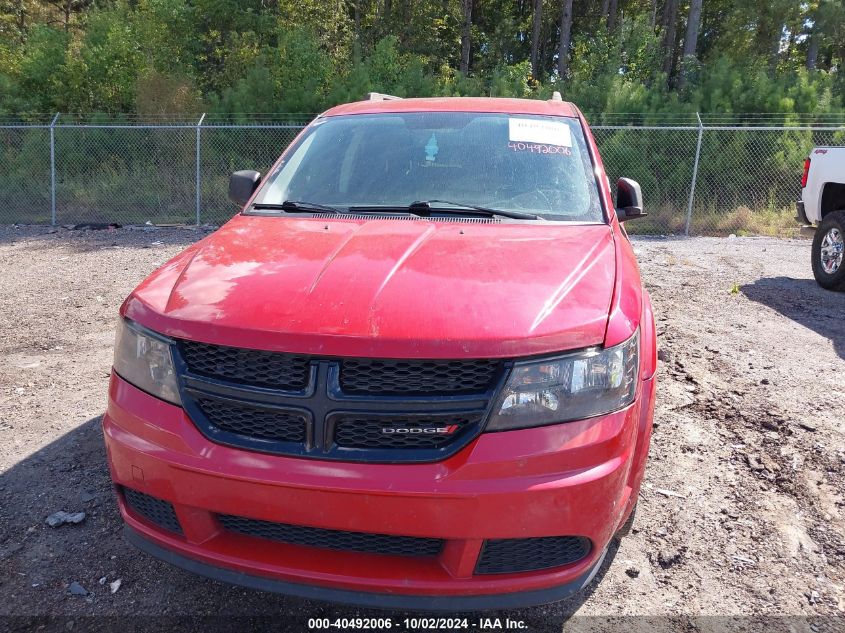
x: 416, y: 371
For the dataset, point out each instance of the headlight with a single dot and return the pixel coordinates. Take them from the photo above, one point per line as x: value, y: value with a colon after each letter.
x: 571, y: 387
x: 143, y: 359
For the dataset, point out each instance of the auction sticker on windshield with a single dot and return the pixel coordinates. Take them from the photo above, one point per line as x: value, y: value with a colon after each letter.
x: 539, y: 131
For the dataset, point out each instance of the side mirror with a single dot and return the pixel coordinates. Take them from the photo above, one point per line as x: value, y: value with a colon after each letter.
x: 242, y: 184
x: 629, y: 200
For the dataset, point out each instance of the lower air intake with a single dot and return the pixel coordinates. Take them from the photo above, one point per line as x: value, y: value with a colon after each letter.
x: 333, y: 539
x: 513, y: 555
x: 154, y: 510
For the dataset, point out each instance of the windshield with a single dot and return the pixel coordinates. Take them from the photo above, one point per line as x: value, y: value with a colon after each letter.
x: 518, y: 163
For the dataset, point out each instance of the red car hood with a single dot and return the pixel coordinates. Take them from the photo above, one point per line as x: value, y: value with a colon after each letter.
x: 386, y: 288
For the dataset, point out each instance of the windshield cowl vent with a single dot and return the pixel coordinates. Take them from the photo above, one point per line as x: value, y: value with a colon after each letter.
x: 385, y: 216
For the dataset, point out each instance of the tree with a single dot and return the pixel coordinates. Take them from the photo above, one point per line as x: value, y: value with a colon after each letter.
x: 612, y: 10
x: 15, y: 18
x: 812, y: 50
x: 565, y: 39
x: 691, y: 38
x: 466, y: 34
x: 230, y: 56
x: 670, y: 26
x: 826, y: 38
x: 40, y: 74
x: 693, y: 21
x: 71, y: 8
x: 536, y: 25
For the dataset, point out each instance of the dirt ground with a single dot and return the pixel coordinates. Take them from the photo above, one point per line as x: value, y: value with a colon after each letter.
x: 741, y: 513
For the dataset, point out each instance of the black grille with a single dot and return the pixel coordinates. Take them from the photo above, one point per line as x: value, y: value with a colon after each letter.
x: 154, y: 510
x: 335, y: 408
x: 368, y: 430
x: 503, y: 556
x: 417, y: 377
x: 253, y: 421
x: 247, y: 366
x: 333, y: 539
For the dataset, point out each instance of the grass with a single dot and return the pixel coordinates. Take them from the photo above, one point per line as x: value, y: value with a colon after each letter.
x: 741, y: 221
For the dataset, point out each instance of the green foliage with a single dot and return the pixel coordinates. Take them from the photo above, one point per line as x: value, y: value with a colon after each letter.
x: 38, y: 74
x: 234, y: 57
x: 110, y: 60
x: 160, y: 27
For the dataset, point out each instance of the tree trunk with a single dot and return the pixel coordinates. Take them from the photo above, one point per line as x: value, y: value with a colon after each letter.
x: 828, y: 58
x: 768, y: 37
x: 356, y: 46
x: 693, y: 23
x: 670, y: 35
x: 841, y: 54
x: 812, y: 51
x: 612, y: 10
x: 536, y: 23
x: 775, y: 49
x: 405, y: 18
x: 653, y: 14
x: 21, y: 20
x: 605, y: 5
x: 690, y: 39
x: 565, y: 39
x: 466, y: 32
x: 664, y: 18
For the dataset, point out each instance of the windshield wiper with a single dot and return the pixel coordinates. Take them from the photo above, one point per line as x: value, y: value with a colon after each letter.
x: 420, y: 208
x: 297, y: 206
x: 428, y: 206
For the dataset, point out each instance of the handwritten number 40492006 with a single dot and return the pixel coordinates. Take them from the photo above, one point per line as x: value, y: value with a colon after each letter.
x: 539, y: 148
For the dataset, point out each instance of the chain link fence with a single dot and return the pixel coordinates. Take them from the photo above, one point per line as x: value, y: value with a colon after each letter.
x: 696, y: 179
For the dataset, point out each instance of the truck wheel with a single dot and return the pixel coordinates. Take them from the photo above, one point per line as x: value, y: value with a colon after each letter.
x: 829, y: 252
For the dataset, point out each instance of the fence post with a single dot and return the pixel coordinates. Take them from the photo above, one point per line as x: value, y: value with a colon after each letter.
x: 199, y: 128
x: 53, y: 170
x: 694, y: 175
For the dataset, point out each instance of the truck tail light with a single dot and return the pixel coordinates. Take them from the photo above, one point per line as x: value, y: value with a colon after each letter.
x: 806, y: 172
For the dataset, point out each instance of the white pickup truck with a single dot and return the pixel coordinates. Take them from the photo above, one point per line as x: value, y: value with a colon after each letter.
x: 822, y: 204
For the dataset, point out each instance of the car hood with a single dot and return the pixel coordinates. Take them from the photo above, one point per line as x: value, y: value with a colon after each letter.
x: 387, y: 288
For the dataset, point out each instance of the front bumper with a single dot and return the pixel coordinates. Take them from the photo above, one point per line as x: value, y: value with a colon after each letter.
x: 579, y: 478
x: 363, y: 598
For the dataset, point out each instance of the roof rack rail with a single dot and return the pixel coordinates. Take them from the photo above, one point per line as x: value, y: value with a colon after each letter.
x: 378, y: 96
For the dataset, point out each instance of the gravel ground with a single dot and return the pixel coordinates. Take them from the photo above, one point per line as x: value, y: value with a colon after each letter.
x: 741, y: 513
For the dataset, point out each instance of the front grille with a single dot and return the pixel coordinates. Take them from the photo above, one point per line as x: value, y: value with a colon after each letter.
x: 333, y: 539
x: 275, y: 370
x: 417, y: 377
x: 335, y: 408
x: 154, y: 510
x: 371, y: 430
x: 254, y: 421
x: 504, y: 556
